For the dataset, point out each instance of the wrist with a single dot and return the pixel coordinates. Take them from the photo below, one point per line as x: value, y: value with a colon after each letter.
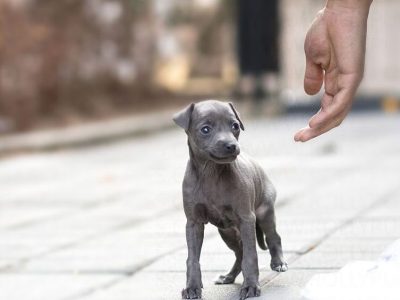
x: 357, y: 5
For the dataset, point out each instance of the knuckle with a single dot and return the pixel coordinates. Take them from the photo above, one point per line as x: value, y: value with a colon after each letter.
x: 317, y: 51
x: 314, y: 52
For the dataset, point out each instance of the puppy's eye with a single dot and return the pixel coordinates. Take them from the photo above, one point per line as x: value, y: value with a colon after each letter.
x: 205, y: 129
x: 235, y: 127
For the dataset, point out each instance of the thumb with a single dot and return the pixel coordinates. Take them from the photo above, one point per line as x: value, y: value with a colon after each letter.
x: 313, y: 77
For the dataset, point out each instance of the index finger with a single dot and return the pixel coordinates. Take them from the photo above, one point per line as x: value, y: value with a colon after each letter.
x: 308, y: 133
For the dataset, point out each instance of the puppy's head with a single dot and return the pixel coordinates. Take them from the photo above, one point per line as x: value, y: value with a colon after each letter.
x: 213, y: 128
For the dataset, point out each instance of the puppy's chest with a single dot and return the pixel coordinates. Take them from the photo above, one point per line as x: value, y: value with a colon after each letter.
x: 215, y: 192
x: 214, y: 204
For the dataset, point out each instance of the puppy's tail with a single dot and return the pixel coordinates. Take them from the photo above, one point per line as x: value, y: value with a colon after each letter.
x: 260, y: 237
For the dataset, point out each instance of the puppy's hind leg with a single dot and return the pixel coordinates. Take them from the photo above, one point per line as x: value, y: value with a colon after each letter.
x: 232, y: 239
x: 266, y: 220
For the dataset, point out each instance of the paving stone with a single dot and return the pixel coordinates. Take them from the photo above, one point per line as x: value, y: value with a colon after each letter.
x: 373, y: 228
x: 162, y: 286
x: 391, y: 209
x: 338, y: 244
x: 288, y: 285
x: 122, y: 251
x: 14, y: 217
x: 329, y: 260
x: 49, y: 286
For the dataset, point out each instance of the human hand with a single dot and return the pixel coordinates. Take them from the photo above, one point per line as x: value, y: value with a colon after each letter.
x: 335, y: 51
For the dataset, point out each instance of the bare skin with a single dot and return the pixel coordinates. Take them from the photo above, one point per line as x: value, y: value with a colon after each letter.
x: 335, y: 54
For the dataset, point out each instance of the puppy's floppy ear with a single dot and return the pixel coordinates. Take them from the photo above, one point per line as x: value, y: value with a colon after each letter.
x: 182, y: 118
x: 237, y: 115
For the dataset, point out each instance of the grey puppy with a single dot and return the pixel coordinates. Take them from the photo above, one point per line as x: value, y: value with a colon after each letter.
x: 231, y: 191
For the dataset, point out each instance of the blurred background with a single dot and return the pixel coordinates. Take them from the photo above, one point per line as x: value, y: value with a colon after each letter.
x: 69, y: 61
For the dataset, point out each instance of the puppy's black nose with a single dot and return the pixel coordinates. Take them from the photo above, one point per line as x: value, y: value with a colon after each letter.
x: 230, y: 147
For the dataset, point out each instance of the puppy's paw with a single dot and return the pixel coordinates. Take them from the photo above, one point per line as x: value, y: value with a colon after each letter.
x: 279, y: 266
x: 191, y: 293
x: 225, y: 279
x: 250, y: 291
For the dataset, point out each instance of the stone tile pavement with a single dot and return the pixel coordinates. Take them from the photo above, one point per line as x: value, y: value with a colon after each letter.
x: 106, y: 222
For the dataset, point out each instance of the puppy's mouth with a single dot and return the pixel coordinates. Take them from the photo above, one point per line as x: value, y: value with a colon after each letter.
x: 223, y: 159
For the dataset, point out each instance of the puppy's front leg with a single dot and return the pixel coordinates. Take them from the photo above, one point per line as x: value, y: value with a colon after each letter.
x: 250, y: 287
x: 194, y: 239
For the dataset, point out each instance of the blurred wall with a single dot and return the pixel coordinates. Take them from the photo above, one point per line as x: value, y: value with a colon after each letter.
x: 66, y: 60
x: 382, y: 74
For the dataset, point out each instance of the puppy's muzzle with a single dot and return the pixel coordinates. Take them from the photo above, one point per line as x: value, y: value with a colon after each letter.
x: 225, y: 152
